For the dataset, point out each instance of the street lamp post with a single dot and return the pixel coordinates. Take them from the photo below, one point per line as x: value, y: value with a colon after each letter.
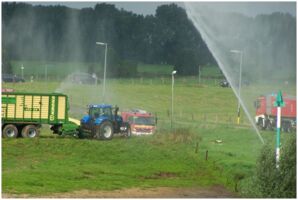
x: 22, y: 68
x: 46, y: 73
x: 105, y: 68
x: 172, y: 114
x: 240, y: 79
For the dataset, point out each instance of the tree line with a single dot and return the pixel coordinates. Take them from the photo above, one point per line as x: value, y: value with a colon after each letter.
x: 62, y: 34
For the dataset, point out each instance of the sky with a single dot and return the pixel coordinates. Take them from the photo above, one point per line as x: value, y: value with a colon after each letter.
x: 149, y: 7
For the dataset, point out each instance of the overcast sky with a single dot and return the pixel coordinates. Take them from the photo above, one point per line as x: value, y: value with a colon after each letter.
x: 145, y: 8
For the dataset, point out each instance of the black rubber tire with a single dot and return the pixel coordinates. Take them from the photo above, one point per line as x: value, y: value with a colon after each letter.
x: 30, y: 131
x: 260, y: 124
x: 270, y: 126
x: 106, y: 131
x: 80, y: 133
x: 10, y: 131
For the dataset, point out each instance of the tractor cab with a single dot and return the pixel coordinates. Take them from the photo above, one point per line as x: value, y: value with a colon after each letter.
x: 97, y: 111
x: 103, y: 121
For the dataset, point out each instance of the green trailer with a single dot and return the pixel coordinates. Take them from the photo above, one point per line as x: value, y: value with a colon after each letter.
x: 24, y: 113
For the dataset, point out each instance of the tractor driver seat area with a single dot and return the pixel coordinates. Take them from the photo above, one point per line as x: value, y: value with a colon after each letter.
x: 96, y: 115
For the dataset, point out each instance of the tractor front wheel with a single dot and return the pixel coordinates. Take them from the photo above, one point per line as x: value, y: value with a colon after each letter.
x: 106, y: 131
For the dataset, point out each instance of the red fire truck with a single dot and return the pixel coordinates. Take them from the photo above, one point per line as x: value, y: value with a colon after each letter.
x: 141, y: 122
x: 266, y: 113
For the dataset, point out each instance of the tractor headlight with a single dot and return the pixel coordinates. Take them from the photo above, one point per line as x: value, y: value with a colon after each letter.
x: 123, y: 128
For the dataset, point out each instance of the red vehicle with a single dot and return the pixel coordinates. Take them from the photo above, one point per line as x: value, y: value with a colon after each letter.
x: 266, y: 113
x: 141, y: 122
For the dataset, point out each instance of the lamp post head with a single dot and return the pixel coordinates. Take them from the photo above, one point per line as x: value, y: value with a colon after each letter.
x: 101, y: 43
x: 174, y: 72
x: 235, y: 51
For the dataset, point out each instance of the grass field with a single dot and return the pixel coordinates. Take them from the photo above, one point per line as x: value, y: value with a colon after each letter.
x: 40, y: 69
x: 203, y: 114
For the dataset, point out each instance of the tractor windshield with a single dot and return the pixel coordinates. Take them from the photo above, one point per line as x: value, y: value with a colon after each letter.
x: 143, y: 120
x: 97, y: 112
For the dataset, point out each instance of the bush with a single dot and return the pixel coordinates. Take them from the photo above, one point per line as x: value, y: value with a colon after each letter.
x: 270, y: 182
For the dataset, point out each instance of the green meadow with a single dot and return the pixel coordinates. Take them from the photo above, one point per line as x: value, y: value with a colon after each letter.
x: 205, y: 148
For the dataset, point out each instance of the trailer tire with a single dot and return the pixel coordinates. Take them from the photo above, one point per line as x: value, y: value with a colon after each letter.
x: 30, y: 131
x: 105, y: 131
x: 10, y: 131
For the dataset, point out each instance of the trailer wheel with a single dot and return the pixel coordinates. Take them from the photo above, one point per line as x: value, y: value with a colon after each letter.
x: 10, y: 131
x: 30, y: 131
x: 105, y: 131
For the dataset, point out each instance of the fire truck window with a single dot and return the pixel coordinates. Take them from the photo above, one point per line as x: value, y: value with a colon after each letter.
x: 130, y: 119
x: 257, y: 104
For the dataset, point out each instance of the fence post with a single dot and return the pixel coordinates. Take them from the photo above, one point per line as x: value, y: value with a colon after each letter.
x: 197, y: 147
x: 206, y: 157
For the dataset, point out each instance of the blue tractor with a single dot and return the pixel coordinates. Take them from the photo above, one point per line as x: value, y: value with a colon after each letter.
x: 102, y: 122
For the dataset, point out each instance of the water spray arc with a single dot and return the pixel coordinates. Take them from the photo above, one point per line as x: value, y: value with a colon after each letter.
x: 219, y: 51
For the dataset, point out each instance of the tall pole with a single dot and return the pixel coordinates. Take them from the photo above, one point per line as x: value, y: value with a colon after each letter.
x: 239, y: 91
x: 172, y: 113
x: 46, y: 73
x: 104, y: 73
x: 278, y: 103
x: 199, y: 74
x: 22, y: 68
x: 105, y: 69
x: 240, y: 77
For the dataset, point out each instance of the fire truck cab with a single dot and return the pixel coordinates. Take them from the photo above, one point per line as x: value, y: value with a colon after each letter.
x: 266, y: 112
x: 141, y: 121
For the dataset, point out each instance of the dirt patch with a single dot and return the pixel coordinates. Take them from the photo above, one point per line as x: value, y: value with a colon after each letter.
x: 160, y: 175
x: 160, y: 192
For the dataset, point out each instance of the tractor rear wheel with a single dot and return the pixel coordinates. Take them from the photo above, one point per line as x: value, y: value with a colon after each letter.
x: 10, y: 131
x: 106, y: 131
x: 30, y: 131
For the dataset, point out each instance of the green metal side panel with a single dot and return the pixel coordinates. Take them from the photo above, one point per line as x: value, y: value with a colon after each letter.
x: 52, y: 108
x: 9, y: 100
